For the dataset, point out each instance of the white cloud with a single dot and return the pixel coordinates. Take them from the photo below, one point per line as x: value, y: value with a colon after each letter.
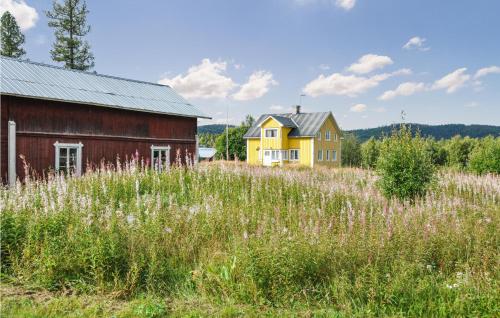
x: 416, y: 43
x: 472, y: 104
x: 276, y: 107
x: 347, y: 85
x: 345, y: 4
x: 453, y: 81
x: 380, y: 110
x: 206, y: 80
x: 404, y: 89
x: 25, y: 15
x: 324, y: 67
x: 358, y: 108
x: 487, y: 70
x: 370, y: 62
x: 257, y: 86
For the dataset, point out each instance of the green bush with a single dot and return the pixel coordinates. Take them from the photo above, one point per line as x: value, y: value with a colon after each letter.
x: 437, y: 151
x: 404, y: 165
x: 485, y: 157
x: 459, y: 150
x: 370, y: 150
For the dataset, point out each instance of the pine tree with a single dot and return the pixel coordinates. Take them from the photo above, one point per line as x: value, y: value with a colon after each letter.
x: 11, y: 36
x: 69, y: 19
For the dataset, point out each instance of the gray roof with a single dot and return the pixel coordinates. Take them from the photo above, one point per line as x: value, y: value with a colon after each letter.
x: 306, y: 124
x: 36, y: 80
x: 285, y: 121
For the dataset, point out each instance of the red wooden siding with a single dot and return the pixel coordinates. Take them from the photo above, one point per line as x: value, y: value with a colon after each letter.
x: 104, y: 132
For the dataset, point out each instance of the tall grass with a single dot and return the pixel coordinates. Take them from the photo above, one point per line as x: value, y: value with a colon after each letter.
x: 233, y: 234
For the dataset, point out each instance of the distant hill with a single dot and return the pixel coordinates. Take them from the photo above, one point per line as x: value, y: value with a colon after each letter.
x: 436, y: 131
x: 212, y: 129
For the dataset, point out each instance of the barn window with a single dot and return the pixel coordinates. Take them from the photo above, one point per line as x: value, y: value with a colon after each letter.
x: 160, y: 157
x: 68, y: 158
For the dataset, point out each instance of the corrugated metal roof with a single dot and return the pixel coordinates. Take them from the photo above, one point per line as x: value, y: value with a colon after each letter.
x: 36, y: 80
x: 307, y: 124
x: 285, y: 121
x: 206, y: 152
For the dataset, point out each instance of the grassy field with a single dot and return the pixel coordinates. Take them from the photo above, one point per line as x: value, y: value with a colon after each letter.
x: 230, y: 240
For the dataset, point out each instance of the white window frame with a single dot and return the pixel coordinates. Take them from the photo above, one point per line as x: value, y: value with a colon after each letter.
x: 292, y: 158
x: 334, y: 155
x: 58, y: 145
x: 320, y: 154
x: 328, y: 155
x: 160, y: 148
x: 275, y: 155
x: 271, y: 129
x: 335, y: 137
x: 328, y: 135
x: 284, y: 155
x: 318, y: 135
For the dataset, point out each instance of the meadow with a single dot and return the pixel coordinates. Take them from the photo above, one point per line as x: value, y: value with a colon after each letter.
x: 226, y: 239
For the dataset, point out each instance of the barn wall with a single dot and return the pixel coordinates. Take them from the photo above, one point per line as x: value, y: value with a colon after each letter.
x: 105, y: 133
x: 4, y: 114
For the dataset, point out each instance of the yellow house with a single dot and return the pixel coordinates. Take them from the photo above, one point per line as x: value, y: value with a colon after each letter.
x: 307, y: 139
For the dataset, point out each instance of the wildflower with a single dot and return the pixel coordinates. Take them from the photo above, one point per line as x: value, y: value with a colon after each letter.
x: 245, y: 235
x: 130, y: 219
x: 168, y: 230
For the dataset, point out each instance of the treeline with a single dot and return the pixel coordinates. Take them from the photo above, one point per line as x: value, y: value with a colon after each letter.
x: 231, y: 144
x: 447, y: 131
x: 479, y: 155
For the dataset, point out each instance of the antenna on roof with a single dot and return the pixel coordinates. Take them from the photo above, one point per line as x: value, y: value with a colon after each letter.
x: 300, y: 98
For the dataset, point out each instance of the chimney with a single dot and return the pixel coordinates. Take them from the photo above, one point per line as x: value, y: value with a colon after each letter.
x: 297, y: 109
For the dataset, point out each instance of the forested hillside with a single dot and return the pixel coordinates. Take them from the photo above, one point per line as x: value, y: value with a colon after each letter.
x: 214, y: 129
x: 436, y: 131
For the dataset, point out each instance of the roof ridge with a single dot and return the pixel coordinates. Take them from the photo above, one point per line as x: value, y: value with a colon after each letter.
x: 80, y: 71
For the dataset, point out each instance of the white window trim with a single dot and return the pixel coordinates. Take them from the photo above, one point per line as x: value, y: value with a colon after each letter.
x: 335, y: 137
x: 58, y: 145
x: 334, y: 155
x: 269, y: 129
x: 153, y: 148
x: 290, y: 155
x: 320, y: 151
x: 327, y: 155
x: 328, y: 136
x: 284, y: 155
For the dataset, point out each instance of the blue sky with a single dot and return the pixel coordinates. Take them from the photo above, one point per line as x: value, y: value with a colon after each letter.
x: 364, y: 60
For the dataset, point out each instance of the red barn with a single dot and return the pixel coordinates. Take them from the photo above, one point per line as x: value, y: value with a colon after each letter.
x: 66, y: 120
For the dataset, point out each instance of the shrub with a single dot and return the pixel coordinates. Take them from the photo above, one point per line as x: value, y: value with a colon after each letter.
x: 404, y: 165
x: 485, y: 157
x: 437, y: 151
x: 459, y: 150
x: 370, y: 151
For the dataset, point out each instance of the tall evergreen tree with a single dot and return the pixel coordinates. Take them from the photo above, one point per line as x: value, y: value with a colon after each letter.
x: 11, y: 36
x: 69, y: 19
